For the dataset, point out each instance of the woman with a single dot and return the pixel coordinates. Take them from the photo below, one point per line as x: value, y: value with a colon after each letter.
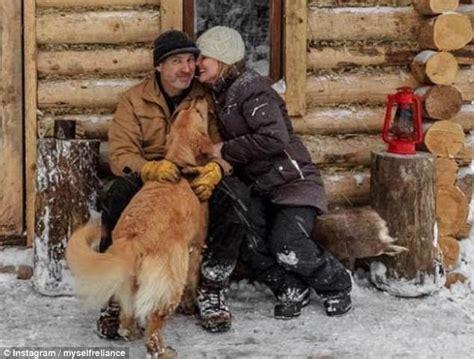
x: 285, y: 191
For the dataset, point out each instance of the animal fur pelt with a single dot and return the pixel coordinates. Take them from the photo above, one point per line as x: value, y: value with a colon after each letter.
x: 155, y: 255
x: 355, y: 233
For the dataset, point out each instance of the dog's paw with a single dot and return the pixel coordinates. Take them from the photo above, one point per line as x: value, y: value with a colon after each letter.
x: 163, y: 353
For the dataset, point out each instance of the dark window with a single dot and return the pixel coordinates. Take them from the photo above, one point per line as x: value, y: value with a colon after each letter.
x: 258, y: 21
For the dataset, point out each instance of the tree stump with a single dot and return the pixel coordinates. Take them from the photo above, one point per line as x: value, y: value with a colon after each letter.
x: 402, y: 191
x: 66, y: 192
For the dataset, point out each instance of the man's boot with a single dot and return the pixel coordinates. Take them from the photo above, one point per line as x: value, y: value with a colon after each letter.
x: 108, y: 323
x: 214, y: 312
x: 290, y: 302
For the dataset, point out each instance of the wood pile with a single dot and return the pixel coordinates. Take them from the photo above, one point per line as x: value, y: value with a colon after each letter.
x: 444, y: 33
x: 352, y: 69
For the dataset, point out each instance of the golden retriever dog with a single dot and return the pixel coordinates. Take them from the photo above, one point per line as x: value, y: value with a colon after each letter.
x: 153, y: 262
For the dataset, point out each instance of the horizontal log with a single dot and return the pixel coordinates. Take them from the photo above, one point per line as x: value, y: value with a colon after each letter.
x: 333, y: 3
x: 343, y: 151
x: 89, y: 126
x: 94, y: 3
x: 109, y: 61
x: 371, y: 88
x: 348, y: 188
x: 465, y: 56
x: 347, y: 56
x: 362, y: 23
x: 82, y: 93
x: 108, y: 27
x: 334, y: 121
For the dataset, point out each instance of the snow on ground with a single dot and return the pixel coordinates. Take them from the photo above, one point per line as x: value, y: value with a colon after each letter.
x: 379, y: 326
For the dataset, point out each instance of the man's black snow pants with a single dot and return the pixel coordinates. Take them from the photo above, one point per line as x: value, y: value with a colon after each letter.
x: 272, y: 240
x: 113, y: 202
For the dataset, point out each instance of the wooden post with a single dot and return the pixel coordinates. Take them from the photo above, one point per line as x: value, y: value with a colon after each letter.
x: 11, y: 128
x: 67, y: 185
x: 402, y: 191
x: 171, y: 15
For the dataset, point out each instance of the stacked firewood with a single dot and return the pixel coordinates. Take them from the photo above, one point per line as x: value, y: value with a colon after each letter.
x: 436, y: 68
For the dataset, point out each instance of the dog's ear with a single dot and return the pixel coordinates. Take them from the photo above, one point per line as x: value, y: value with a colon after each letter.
x: 202, y: 107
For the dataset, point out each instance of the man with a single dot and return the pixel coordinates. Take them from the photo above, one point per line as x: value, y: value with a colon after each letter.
x: 137, y: 139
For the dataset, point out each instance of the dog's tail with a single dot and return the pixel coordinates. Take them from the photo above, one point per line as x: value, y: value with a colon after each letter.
x: 97, y: 276
x: 161, y: 280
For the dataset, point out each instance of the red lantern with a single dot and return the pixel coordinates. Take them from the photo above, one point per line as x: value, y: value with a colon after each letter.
x: 403, y: 132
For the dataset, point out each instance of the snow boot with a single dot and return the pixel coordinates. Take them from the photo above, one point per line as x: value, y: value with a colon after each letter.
x: 213, y: 310
x: 337, y: 304
x: 290, y: 303
x: 108, y: 323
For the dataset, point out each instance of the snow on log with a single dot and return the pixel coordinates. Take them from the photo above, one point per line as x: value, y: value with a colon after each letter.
x: 105, y: 61
x: 446, y: 32
x: 347, y: 188
x: 107, y: 27
x: 402, y: 191
x: 93, y: 3
x: 354, y: 233
x: 82, y: 93
x: 66, y: 192
x: 440, y: 102
x: 432, y: 67
x: 434, y: 7
x: 452, y: 209
x: 444, y: 138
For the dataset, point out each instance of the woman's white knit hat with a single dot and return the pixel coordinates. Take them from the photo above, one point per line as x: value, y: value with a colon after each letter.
x: 222, y: 43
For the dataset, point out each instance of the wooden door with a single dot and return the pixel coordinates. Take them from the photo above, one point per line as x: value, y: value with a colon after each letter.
x: 11, y: 124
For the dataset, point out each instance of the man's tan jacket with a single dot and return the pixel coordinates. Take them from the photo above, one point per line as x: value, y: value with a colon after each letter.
x: 142, y: 121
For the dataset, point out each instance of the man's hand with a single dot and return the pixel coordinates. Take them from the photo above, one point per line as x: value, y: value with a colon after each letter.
x: 160, y: 171
x: 208, y: 177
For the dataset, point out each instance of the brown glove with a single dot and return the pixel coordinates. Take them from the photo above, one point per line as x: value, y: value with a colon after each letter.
x: 208, y: 177
x: 160, y: 171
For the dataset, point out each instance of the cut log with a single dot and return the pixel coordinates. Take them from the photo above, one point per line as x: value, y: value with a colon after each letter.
x: 108, y: 61
x: 454, y: 278
x: 351, y: 56
x: 431, y: 67
x: 434, y: 7
x: 465, y: 156
x: 349, y: 151
x: 94, y: 3
x: 450, y: 249
x: 452, y: 210
x: 446, y: 171
x: 446, y: 32
x: 440, y: 102
x: 108, y: 27
x: 90, y: 126
x: 444, y: 138
x: 465, y: 181
x: 465, y: 56
x: 334, y: 3
x: 402, y: 191
x: 354, y: 233
x: 82, y: 93
x: 66, y: 191
x: 371, y: 88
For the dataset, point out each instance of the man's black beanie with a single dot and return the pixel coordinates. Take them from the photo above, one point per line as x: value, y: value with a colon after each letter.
x: 172, y: 42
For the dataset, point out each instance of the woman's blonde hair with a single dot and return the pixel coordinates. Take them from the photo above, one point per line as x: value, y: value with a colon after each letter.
x: 223, y: 69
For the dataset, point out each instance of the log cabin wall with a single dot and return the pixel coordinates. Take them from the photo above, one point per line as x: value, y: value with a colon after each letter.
x: 80, y: 54
x: 358, y: 52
